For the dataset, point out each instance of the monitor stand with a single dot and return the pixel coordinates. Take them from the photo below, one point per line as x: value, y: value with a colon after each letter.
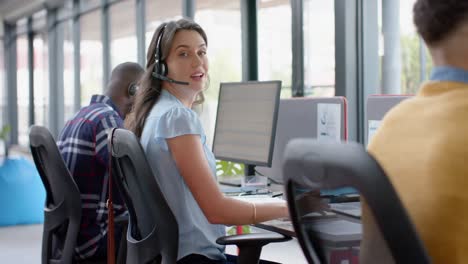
x: 237, y: 181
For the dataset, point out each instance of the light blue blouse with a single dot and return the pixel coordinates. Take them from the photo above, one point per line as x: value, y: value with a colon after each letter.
x: 170, y: 118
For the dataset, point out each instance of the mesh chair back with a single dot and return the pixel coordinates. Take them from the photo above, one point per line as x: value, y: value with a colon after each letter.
x: 62, y: 211
x: 326, y: 165
x: 153, y: 232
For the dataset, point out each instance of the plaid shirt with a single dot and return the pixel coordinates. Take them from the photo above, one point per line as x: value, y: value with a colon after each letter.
x: 83, y: 145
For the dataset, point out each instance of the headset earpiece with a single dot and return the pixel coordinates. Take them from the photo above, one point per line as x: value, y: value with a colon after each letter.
x: 160, y: 67
x: 132, y: 89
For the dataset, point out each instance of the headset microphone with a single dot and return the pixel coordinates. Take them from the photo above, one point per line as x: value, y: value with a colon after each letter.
x: 167, y: 79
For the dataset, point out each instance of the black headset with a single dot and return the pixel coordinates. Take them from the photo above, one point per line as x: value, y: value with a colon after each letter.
x: 160, y: 67
x: 132, y: 89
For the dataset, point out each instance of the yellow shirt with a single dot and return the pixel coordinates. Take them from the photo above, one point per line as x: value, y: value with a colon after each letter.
x: 422, y: 145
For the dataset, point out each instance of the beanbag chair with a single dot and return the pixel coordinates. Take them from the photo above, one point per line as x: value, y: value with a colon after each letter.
x: 22, y: 194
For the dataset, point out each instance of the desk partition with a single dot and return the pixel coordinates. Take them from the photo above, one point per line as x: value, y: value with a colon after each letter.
x: 377, y: 107
x: 307, y: 117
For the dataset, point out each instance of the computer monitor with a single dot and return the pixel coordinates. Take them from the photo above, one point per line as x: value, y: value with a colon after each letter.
x: 246, y: 122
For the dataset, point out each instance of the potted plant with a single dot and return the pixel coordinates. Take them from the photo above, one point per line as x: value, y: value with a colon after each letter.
x: 4, y: 133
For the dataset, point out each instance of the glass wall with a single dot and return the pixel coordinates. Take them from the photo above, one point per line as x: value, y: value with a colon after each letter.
x: 411, y: 48
x: 221, y: 21
x: 157, y: 12
x: 274, y: 43
x: 22, y: 80
x: 68, y: 70
x: 41, y: 80
x: 319, y: 48
x: 91, y: 56
x: 40, y: 68
x: 3, y: 92
x: 123, y: 33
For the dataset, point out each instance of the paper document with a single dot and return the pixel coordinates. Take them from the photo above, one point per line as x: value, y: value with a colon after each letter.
x: 329, y: 122
x: 373, y: 126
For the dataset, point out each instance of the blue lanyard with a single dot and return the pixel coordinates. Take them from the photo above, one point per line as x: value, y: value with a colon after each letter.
x: 451, y: 74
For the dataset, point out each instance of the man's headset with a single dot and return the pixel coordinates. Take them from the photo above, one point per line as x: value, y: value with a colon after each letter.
x: 132, y: 89
x: 160, y: 68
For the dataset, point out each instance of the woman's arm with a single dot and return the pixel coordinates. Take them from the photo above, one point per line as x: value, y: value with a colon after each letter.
x: 190, y: 159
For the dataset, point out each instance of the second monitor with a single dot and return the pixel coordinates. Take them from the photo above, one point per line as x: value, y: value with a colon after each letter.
x: 246, y: 122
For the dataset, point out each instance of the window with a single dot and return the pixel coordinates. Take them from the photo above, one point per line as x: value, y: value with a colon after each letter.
x: 68, y: 70
x: 91, y: 56
x: 221, y: 21
x: 410, y: 61
x: 22, y: 84
x: 123, y: 33
x: 41, y: 80
x: 2, y: 88
x: 89, y: 4
x: 158, y: 11
x: 319, y: 48
x: 274, y: 43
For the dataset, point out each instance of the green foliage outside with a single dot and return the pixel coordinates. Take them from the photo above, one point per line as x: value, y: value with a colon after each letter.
x: 222, y: 69
x: 4, y: 134
x: 228, y: 168
x: 411, y: 67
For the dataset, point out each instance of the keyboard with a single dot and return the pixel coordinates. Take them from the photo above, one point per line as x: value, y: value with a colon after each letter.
x: 352, y: 209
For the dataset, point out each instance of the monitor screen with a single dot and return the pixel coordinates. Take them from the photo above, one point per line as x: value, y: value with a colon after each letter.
x: 246, y: 122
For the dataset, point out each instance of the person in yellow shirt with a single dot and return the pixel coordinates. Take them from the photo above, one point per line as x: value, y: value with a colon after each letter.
x: 422, y: 143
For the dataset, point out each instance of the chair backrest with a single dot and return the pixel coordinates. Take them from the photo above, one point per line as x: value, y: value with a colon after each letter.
x: 326, y: 165
x: 153, y: 231
x: 62, y: 211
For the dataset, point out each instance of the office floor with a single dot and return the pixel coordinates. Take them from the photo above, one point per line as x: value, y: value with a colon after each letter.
x: 22, y: 245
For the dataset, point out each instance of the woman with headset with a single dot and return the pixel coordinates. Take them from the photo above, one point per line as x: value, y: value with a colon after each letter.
x: 175, y: 143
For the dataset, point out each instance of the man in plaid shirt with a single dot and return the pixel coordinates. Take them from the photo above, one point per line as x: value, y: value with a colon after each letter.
x: 83, y: 145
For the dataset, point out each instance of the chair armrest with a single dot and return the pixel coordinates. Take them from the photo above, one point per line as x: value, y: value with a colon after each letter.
x: 122, y: 219
x: 250, y: 245
x: 254, y: 239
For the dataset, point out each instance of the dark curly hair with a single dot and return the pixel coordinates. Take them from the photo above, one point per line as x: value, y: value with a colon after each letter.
x: 437, y: 19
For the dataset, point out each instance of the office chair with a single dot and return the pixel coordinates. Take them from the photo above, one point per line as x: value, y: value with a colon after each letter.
x: 62, y: 211
x: 153, y: 233
x: 324, y: 165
